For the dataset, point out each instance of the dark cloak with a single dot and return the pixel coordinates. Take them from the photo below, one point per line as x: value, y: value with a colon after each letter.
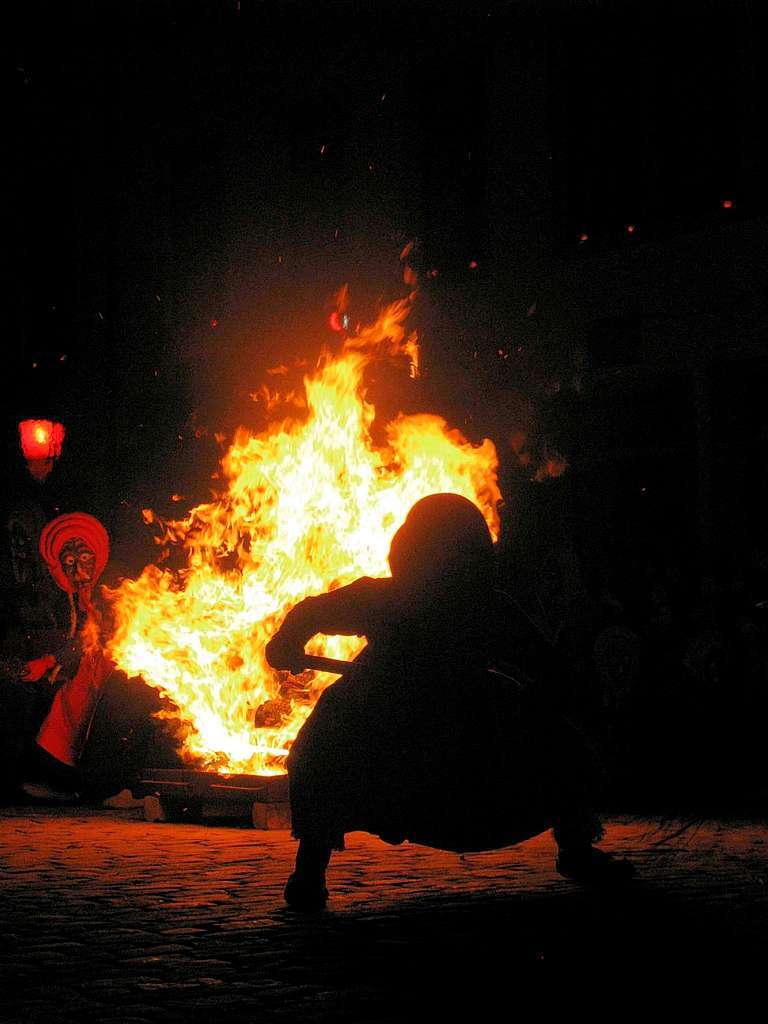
x: 426, y: 739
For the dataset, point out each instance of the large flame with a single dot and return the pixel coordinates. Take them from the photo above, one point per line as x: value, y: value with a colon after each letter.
x: 311, y: 504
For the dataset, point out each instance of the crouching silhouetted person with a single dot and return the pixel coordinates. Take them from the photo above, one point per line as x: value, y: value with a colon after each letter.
x: 429, y: 739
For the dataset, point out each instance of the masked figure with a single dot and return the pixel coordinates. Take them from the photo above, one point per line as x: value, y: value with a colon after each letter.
x: 431, y: 738
x: 75, y: 549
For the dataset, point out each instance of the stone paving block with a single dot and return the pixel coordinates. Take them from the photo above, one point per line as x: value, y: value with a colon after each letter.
x: 271, y: 816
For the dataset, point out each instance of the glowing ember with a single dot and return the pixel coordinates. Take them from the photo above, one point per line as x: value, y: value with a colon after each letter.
x: 312, y: 503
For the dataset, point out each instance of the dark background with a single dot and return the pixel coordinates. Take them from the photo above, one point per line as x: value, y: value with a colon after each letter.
x: 190, y: 183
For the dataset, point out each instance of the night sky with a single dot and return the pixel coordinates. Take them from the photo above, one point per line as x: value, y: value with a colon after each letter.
x: 190, y: 184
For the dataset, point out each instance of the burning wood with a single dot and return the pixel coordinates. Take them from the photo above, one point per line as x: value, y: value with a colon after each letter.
x: 311, y: 504
x: 178, y: 794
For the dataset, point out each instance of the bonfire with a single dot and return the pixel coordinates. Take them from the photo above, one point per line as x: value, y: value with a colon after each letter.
x: 309, y: 504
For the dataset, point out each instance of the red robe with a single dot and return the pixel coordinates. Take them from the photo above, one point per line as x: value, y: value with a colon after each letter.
x: 67, y: 724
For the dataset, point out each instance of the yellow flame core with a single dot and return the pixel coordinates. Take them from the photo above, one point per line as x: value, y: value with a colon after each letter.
x: 310, y: 505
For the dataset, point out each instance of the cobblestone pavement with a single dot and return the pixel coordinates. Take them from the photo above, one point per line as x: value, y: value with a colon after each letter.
x: 105, y: 917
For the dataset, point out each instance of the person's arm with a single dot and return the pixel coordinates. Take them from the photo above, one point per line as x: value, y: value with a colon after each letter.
x: 349, y: 611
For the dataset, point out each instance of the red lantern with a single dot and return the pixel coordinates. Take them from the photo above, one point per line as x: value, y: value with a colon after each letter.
x: 41, y: 442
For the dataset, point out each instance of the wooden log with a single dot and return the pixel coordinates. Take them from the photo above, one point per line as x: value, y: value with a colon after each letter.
x: 187, y: 795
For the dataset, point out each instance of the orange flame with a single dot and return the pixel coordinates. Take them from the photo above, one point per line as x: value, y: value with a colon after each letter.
x: 311, y: 504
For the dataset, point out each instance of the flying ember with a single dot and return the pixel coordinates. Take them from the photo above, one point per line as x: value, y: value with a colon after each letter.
x: 311, y: 503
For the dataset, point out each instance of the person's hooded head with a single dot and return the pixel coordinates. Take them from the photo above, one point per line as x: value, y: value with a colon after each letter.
x: 75, y: 548
x: 444, y: 543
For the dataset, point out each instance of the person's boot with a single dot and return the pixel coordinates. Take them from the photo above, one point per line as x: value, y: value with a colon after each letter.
x: 591, y: 866
x: 577, y: 859
x: 47, y: 780
x: 305, y: 889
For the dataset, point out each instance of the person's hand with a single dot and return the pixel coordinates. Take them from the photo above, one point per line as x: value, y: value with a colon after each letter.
x: 285, y: 655
x: 38, y: 667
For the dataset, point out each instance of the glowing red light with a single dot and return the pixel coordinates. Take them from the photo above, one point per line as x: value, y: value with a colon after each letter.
x: 630, y: 229
x: 41, y: 440
x: 727, y: 204
x: 583, y: 237
x: 214, y: 323
x: 334, y: 321
x: 473, y: 264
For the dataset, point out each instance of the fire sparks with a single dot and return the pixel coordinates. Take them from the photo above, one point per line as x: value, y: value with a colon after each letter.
x: 311, y: 504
